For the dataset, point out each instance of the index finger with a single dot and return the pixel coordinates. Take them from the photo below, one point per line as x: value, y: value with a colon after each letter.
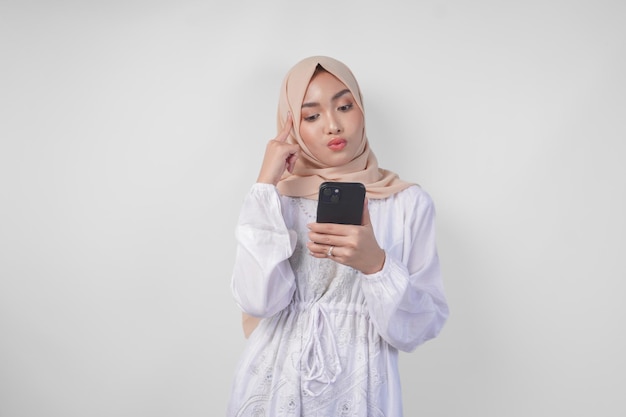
x: 284, y: 133
x: 330, y: 228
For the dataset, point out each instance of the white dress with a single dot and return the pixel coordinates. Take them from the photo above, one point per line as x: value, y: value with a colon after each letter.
x: 328, y: 345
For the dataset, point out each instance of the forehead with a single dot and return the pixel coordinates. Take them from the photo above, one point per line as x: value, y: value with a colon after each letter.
x: 323, y: 84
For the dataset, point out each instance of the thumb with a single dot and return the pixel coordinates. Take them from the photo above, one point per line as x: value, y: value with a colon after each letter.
x: 291, y: 161
x: 366, y: 213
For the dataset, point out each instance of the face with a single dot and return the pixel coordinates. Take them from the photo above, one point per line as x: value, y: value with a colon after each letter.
x: 331, y: 124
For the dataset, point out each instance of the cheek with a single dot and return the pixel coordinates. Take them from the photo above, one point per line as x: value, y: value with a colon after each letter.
x: 357, y: 121
x: 306, y: 133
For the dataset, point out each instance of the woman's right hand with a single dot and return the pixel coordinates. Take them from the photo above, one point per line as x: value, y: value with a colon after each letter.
x: 279, y: 156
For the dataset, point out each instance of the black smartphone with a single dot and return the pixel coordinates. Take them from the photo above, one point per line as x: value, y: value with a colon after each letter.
x: 340, y: 202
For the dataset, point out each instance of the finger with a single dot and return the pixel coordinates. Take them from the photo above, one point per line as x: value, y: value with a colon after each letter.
x: 320, y: 238
x: 291, y: 161
x: 366, y: 213
x: 319, y: 250
x: 284, y: 133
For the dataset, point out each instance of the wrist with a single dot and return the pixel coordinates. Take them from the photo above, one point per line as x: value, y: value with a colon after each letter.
x: 266, y: 180
x: 378, y: 262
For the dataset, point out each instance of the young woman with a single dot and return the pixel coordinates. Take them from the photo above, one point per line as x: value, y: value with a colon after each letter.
x: 326, y: 306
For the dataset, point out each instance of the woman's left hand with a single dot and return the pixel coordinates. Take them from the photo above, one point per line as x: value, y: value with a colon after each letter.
x: 354, y: 246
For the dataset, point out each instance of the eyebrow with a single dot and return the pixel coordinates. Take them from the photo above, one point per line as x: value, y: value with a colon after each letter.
x: 335, y: 97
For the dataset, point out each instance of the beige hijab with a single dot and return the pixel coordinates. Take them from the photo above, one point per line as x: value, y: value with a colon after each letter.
x: 309, y: 172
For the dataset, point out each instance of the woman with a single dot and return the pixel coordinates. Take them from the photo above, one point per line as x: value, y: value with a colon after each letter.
x: 328, y: 306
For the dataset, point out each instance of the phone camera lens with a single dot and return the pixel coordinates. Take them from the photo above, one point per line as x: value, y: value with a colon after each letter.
x: 330, y: 194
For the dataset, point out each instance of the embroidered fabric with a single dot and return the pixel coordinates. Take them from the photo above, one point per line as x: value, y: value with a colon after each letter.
x: 323, y: 353
x: 317, y: 370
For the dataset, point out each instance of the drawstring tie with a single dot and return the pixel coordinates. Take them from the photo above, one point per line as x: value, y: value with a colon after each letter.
x: 320, y: 358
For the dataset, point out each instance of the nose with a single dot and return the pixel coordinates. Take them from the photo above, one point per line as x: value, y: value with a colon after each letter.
x: 333, y: 127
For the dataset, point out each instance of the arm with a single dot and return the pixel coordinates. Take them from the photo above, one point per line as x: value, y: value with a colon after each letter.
x: 406, y: 298
x: 253, y: 270
x: 263, y: 282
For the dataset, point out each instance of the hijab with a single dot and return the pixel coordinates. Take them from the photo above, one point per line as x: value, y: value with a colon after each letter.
x: 309, y: 172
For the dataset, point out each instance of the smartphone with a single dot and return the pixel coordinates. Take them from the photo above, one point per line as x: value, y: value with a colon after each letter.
x: 340, y: 202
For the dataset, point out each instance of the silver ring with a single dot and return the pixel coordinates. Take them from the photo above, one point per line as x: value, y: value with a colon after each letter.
x: 330, y: 251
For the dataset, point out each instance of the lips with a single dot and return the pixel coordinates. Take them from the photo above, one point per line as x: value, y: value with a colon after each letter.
x: 337, y: 144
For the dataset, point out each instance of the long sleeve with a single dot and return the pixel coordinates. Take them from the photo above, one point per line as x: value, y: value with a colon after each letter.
x: 406, y: 299
x: 263, y: 282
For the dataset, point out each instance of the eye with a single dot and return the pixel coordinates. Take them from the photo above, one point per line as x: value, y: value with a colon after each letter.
x: 345, y: 107
x: 311, y: 118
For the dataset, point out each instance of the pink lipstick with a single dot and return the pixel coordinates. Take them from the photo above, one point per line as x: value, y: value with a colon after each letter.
x: 337, y: 144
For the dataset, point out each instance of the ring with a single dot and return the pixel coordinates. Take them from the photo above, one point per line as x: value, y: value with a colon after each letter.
x: 330, y: 251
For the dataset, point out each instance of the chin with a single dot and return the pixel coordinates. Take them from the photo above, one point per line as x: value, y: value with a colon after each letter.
x: 337, y: 161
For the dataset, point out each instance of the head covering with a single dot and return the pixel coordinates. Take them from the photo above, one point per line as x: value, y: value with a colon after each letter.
x: 309, y: 172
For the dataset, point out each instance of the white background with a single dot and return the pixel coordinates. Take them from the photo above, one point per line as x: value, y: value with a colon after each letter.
x: 131, y: 130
